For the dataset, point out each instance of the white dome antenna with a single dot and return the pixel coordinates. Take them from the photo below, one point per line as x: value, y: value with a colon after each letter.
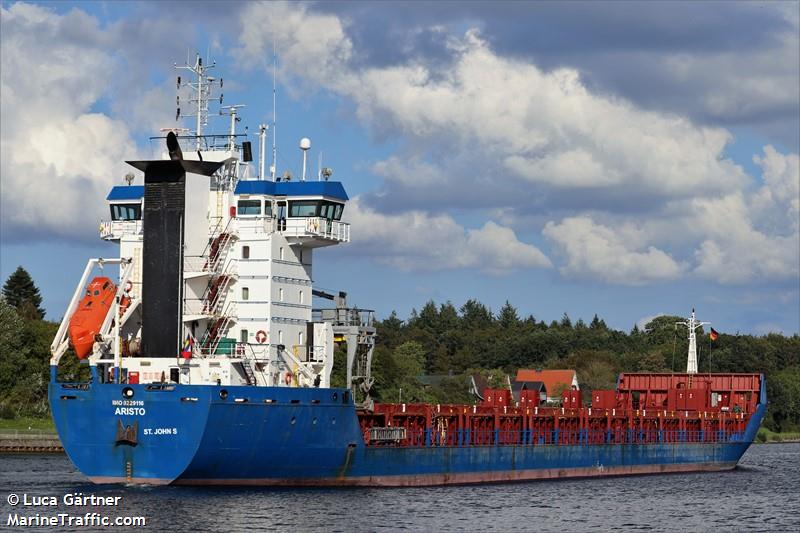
x: 305, y: 146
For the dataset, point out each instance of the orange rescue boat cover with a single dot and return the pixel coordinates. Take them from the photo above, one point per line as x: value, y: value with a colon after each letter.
x: 88, y: 317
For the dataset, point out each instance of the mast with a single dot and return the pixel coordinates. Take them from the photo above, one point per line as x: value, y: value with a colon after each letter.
x: 201, y: 94
x: 693, y: 325
x: 233, y: 111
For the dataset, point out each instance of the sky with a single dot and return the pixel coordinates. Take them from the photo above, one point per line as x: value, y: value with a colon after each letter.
x: 629, y: 159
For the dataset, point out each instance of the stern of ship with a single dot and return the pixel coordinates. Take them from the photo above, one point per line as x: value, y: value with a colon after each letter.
x: 138, y: 434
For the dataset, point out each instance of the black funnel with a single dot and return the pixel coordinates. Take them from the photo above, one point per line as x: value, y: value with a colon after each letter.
x: 162, y: 255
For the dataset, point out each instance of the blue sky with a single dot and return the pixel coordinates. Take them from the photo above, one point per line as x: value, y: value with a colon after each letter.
x: 619, y: 158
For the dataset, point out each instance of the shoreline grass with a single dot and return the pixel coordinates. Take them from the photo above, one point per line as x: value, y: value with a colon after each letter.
x: 25, y: 423
x: 766, y: 436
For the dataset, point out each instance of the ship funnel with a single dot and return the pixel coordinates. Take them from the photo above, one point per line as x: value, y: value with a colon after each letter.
x: 173, y: 224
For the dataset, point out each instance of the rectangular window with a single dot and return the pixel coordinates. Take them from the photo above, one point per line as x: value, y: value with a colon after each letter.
x: 245, y: 293
x: 249, y: 208
x: 300, y: 338
x: 280, y: 253
x: 243, y: 337
x: 326, y: 211
x: 126, y: 212
x: 267, y: 208
x: 304, y: 208
x: 301, y: 296
x: 280, y: 336
x: 245, y: 252
x: 280, y: 295
x: 337, y: 214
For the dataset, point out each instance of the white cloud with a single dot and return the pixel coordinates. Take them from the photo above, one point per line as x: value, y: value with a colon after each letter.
x: 611, y: 255
x: 642, y: 322
x: 733, y: 251
x: 548, y: 133
x: 546, y: 128
x: 776, y: 205
x: 416, y: 241
x: 58, y: 155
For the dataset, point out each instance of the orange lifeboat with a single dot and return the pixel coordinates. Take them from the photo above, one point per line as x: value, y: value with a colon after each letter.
x: 87, y: 319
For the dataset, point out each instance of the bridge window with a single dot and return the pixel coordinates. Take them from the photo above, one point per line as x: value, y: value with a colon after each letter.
x: 249, y: 208
x: 331, y: 210
x: 126, y: 212
x: 304, y: 208
x: 245, y: 252
x: 243, y: 336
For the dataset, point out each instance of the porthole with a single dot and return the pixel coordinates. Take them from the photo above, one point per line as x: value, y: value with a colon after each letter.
x: 335, y: 396
x: 127, y: 392
x: 293, y: 420
x: 223, y: 394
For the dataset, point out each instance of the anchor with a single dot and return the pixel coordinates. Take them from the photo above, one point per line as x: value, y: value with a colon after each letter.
x: 127, y: 434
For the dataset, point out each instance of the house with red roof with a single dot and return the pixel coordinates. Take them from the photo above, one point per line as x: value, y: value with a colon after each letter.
x: 555, y: 381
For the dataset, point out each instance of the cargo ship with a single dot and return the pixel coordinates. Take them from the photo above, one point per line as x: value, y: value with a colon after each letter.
x: 210, y: 365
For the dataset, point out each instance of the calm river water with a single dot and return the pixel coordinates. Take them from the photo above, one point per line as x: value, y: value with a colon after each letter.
x: 762, y: 494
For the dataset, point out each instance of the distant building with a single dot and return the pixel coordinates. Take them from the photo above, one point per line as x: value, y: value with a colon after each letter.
x: 555, y: 381
x: 537, y: 386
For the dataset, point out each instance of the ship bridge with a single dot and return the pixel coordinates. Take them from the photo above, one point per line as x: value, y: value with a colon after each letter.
x: 305, y: 212
x: 125, y: 203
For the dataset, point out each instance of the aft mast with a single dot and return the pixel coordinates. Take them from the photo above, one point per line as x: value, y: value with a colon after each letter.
x: 693, y: 325
x: 201, y: 89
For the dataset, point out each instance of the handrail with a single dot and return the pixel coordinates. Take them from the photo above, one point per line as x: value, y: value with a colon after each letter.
x: 557, y: 437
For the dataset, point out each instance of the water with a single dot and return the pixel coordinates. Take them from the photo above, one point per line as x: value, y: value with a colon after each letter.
x: 762, y: 494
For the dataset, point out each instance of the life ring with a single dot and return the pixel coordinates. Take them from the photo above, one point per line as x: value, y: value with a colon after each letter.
x: 288, y: 378
x: 261, y: 336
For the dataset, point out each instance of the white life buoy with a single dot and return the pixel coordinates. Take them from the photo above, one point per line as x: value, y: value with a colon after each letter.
x: 261, y: 336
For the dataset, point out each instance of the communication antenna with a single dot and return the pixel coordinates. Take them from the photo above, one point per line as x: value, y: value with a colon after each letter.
x: 201, y: 93
x: 273, y: 167
x: 262, y: 149
x: 305, y: 146
x: 693, y: 325
x: 129, y: 178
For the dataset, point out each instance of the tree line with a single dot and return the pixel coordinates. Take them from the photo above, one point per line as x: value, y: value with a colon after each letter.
x: 456, y: 343
x: 430, y: 355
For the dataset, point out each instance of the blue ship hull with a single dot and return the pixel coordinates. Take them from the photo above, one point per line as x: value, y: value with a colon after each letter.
x: 190, y: 434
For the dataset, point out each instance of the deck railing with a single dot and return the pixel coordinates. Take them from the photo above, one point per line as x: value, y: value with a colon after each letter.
x: 532, y: 437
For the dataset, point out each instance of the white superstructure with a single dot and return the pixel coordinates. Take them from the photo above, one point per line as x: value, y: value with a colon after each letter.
x: 247, y: 268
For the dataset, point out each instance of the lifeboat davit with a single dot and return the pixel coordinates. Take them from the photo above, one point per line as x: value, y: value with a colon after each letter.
x: 87, y: 319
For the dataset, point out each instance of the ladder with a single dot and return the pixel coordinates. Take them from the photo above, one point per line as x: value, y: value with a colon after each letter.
x: 248, y: 371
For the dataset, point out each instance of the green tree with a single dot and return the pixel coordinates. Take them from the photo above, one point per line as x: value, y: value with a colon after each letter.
x: 508, y: 317
x: 21, y: 293
x: 399, y: 369
x: 475, y: 315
